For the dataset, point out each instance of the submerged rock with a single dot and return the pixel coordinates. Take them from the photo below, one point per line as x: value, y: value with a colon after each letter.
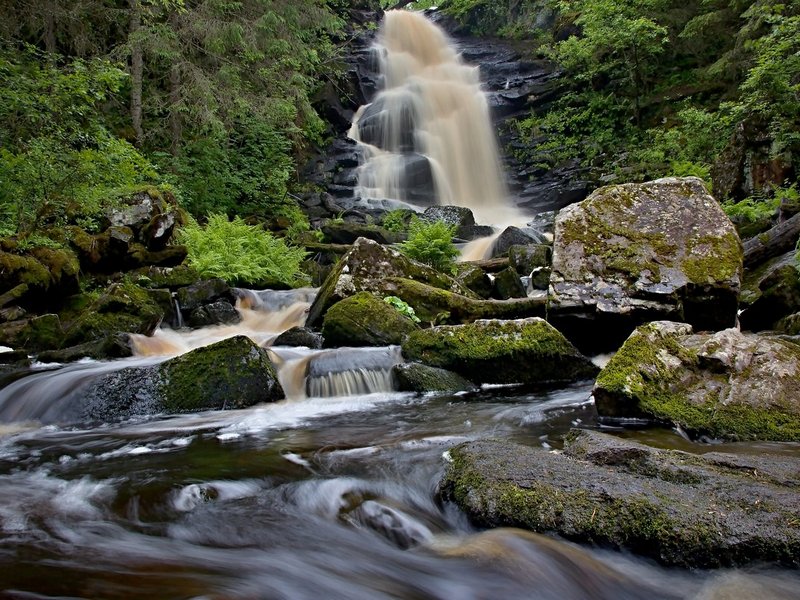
x: 299, y: 336
x: 634, y: 253
x: 364, y: 320
x: 682, y: 509
x: 233, y: 373
x: 724, y: 385
x: 416, y: 377
x: 494, y: 351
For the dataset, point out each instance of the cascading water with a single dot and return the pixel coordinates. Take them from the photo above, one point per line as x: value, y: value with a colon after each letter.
x: 427, y: 136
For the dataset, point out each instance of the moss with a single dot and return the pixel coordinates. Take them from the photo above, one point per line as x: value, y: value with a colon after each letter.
x: 639, y: 382
x: 525, y: 351
x: 713, y: 258
x: 364, y: 320
x: 233, y: 373
x: 16, y: 269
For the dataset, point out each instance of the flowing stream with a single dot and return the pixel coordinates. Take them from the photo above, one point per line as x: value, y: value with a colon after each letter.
x: 330, y: 495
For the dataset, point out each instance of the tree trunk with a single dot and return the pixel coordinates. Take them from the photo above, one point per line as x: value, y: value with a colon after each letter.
x: 175, y: 121
x: 50, y: 28
x: 778, y: 240
x: 137, y: 71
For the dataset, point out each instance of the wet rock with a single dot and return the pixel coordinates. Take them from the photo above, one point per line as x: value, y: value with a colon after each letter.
x: 515, y: 236
x: 393, y: 524
x: 770, y: 293
x: 526, y: 258
x: 474, y: 279
x: 634, y: 253
x: 203, y: 292
x: 390, y: 128
x: 37, y: 333
x: 233, y: 373
x: 117, y: 345
x: 540, y: 278
x: 682, y: 509
x: 347, y: 233
x: 220, y: 312
x: 727, y: 385
x: 416, y: 377
x: 366, y: 267
x: 494, y: 351
x: 364, y: 320
x: 299, y: 336
x: 170, y: 278
x: 507, y: 285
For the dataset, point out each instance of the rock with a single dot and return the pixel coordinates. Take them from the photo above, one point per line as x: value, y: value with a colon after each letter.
x: 220, y: 312
x: 634, y: 253
x: 37, y: 333
x: 474, y: 279
x: 515, y: 236
x: 416, y: 377
x: 54, y: 271
x: 170, y: 278
x: 14, y: 294
x: 233, y: 373
x: 776, y: 241
x: 364, y: 320
x: 526, y: 258
x: 203, y: 292
x: 150, y: 215
x: 540, y: 278
x: 682, y: 509
x: 456, y: 216
x: 375, y: 126
x: 113, y: 346
x: 771, y: 293
x: 299, y: 336
x: 726, y: 385
x: 365, y: 268
x: 122, y: 307
x: 347, y: 233
x: 494, y: 351
x: 433, y: 305
x: 507, y: 285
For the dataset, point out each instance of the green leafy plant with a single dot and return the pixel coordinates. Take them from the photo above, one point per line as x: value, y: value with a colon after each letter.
x: 240, y: 253
x: 431, y: 242
x: 397, y: 220
x: 402, y: 307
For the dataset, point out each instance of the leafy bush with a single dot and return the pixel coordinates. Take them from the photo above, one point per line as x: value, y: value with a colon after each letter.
x: 751, y: 210
x: 398, y: 220
x: 240, y: 253
x: 431, y: 243
x: 402, y: 307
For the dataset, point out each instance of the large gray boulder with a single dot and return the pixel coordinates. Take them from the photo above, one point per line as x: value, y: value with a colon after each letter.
x: 233, y: 373
x: 725, y: 385
x: 682, y: 509
x: 495, y: 351
x: 634, y: 253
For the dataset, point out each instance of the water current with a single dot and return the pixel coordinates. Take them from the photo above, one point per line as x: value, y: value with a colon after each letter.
x: 311, y: 497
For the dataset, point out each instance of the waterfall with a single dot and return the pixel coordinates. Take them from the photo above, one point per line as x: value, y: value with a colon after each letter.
x: 427, y: 136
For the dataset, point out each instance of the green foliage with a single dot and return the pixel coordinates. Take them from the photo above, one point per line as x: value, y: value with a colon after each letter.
x: 241, y: 253
x: 402, y: 307
x: 431, y: 243
x: 398, y: 220
x: 751, y: 210
x: 59, y: 164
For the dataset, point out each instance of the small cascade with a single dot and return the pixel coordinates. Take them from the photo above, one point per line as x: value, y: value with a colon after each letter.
x: 428, y: 136
x: 336, y: 372
x: 478, y: 249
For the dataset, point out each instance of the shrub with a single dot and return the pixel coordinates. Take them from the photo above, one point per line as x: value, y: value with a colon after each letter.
x: 240, y: 253
x: 431, y: 243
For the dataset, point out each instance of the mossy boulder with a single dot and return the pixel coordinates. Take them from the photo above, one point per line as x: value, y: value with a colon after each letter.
x: 121, y: 307
x: 233, y: 373
x: 515, y: 236
x: 416, y: 377
x: 474, y: 279
x: 365, y: 268
x: 494, y: 351
x: 507, y: 285
x: 37, y: 333
x: 695, y: 511
x: 364, y: 320
x: 49, y: 274
x: 635, y: 253
x: 524, y: 259
x: 728, y: 385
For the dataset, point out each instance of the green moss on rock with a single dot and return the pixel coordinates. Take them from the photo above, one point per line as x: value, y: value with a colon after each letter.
x: 364, y: 320
x: 494, y: 351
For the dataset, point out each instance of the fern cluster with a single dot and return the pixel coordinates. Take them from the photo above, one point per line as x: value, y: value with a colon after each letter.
x: 431, y: 243
x: 241, y: 254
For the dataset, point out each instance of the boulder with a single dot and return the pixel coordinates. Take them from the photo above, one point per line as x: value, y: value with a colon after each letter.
x: 347, y: 233
x: 459, y: 217
x: 515, y: 236
x: 233, y: 373
x: 494, y: 351
x: 203, y: 292
x: 416, y: 377
x: 526, y: 258
x: 635, y: 253
x: 364, y: 320
x: 220, y: 312
x: 116, y: 345
x: 365, y: 267
x: 681, y: 509
x: 40, y: 270
x: 507, y: 285
x: 299, y: 336
x: 150, y: 215
x: 770, y: 293
x: 728, y: 385
x: 37, y: 333
x: 474, y: 279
